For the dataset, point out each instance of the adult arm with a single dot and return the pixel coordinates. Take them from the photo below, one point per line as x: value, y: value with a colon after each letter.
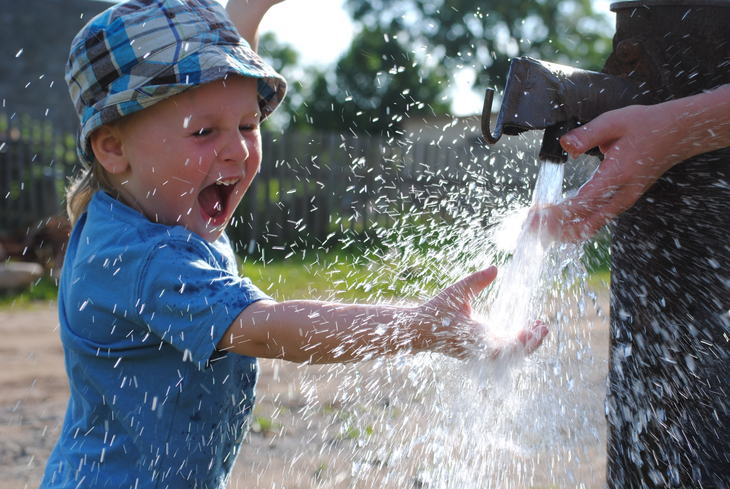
x: 327, y: 332
x: 639, y: 143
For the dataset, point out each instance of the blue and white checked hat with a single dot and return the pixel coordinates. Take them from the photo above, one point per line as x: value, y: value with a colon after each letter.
x: 140, y: 52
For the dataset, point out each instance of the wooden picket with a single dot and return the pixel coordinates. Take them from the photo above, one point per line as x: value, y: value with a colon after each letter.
x: 312, y: 187
x: 35, y: 161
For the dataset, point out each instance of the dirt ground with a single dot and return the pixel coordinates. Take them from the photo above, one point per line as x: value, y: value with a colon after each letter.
x: 302, y: 435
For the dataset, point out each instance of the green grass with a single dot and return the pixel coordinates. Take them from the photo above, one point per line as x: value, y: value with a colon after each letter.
x: 600, y: 279
x: 265, y: 425
x: 323, y: 276
x: 42, y: 290
x: 314, y: 276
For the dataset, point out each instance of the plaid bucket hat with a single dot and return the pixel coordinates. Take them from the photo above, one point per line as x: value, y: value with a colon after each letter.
x: 140, y: 52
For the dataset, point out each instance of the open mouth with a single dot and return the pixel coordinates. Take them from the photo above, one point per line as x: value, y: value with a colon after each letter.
x: 214, y: 200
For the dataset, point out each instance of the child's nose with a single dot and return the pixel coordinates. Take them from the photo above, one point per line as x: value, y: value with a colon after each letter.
x: 235, y: 149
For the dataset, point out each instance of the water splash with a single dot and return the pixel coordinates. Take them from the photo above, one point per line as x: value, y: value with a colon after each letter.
x: 520, y: 292
x: 429, y: 421
x: 434, y: 422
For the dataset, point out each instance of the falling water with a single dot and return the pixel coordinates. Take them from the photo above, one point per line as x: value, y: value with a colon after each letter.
x: 520, y: 293
x: 434, y: 422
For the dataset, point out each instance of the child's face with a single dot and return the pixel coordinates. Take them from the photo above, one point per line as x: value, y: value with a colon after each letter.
x: 193, y: 156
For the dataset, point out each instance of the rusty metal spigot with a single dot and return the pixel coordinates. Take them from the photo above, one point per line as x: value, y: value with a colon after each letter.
x: 557, y: 98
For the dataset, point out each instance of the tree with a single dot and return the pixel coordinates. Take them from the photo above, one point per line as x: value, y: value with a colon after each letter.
x: 484, y: 35
x: 376, y: 85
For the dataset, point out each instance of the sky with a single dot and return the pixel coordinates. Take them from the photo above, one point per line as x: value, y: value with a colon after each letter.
x: 323, y: 45
x: 293, y: 22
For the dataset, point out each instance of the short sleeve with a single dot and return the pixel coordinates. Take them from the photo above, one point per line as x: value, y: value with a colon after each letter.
x: 188, y: 297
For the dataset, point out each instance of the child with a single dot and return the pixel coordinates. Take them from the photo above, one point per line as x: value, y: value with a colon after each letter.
x: 160, y: 333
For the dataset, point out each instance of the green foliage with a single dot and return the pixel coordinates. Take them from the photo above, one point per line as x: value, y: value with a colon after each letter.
x: 43, y: 290
x: 400, y: 62
x: 285, y: 60
x: 376, y: 84
x: 484, y: 35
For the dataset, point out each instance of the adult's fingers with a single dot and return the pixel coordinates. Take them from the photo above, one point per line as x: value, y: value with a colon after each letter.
x: 600, y: 132
x: 621, y: 201
x: 571, y: 220
x: 596, y: 202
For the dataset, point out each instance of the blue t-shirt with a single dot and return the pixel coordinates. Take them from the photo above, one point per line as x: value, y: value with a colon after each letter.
x: 153, y: 404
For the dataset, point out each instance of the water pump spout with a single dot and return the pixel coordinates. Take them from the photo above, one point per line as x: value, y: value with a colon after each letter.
x: 556, y: 98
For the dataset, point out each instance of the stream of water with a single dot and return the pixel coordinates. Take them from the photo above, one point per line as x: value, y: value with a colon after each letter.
x: 521, y: 291
x: 439, y: 423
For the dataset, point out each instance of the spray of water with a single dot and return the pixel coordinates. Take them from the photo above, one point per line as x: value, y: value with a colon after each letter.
x: 520, y: 292
x: 432, y: 421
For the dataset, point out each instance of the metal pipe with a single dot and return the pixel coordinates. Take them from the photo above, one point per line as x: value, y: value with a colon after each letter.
x: 557, y: 98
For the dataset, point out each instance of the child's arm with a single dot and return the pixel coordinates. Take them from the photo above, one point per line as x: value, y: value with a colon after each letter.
x: 247, y: 15
x: 325, y: 332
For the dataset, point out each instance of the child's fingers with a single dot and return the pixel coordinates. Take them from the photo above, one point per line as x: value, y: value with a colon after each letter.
x: 531, y: 338
x: 468, y: 343
x: 461, y: 339
x: 469, y: 287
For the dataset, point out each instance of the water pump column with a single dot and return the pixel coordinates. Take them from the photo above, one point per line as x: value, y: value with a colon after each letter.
x: 669, y: 389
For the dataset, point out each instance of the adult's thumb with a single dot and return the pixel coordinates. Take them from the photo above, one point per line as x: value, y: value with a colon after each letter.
x: 596, y: 133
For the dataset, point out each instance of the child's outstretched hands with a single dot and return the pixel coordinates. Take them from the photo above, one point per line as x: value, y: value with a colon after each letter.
x: 446, y: 324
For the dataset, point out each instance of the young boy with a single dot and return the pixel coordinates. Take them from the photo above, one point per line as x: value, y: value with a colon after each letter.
x: 160, y: 333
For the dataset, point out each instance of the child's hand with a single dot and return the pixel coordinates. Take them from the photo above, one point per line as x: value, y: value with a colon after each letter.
x: 247, y: 4
x: 446, y: 324
x: 247, y: 15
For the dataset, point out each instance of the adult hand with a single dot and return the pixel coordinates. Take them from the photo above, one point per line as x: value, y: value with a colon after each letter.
x: 639, y: 144
x: 445, y: 323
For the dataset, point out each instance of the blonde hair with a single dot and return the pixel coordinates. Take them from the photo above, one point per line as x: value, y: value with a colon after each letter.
x: 83, y: 187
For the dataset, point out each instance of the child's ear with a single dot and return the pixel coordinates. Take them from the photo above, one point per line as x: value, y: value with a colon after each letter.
x: 107, y: 146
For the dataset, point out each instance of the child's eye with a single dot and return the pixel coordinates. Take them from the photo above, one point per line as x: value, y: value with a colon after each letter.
x: 202, y: 132
x: 247, y: 127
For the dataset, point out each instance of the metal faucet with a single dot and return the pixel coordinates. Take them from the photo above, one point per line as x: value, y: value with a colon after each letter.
x: 556, y: 98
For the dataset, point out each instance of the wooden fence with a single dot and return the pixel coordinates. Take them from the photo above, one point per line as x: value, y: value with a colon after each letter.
x: 323, y: 186
x: 312, y: 187
x: 35, y: 161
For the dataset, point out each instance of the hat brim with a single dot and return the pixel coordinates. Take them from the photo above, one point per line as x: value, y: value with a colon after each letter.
x: 212, y: 62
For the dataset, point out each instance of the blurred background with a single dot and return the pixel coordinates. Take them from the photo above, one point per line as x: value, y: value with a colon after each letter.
x: 377, y: 146
x: 381, y: 113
